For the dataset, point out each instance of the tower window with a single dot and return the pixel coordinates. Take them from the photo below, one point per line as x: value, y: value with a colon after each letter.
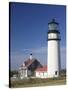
x: 56, y: 72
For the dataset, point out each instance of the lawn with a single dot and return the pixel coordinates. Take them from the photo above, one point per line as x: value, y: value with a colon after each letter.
x: 38, y: 82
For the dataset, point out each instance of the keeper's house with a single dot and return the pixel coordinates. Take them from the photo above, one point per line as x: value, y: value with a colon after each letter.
x: 27, y: 69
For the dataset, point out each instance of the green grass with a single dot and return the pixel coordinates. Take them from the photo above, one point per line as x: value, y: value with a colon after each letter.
x: 38, y: 82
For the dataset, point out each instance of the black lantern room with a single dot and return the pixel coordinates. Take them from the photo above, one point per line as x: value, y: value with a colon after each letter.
x: 53, y: 30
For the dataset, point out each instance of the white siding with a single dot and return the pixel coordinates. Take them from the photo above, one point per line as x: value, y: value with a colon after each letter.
x: 53, y: 58
x: 23, y: 73
x: 41, y: 74
x: 53, y: 36
x: 29, y: 72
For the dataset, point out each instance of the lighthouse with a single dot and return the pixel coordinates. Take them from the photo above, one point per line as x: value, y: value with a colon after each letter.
x: 53, y: 49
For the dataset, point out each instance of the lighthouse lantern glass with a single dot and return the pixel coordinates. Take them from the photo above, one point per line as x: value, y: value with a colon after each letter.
x: 53, y: 26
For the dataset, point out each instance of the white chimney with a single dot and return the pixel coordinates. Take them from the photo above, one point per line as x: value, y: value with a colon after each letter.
x: 31, y: 56
x: 23, y: 64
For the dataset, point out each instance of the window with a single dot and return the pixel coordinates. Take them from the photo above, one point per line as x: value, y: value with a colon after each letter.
x: 56, y: 72
x: 39, y: 73
x: 43, y: 73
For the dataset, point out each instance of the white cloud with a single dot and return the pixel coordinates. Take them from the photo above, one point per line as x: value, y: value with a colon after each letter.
x: 40, y: 50
x: 63, y: 57
x: 35, y: 50
x: 63, y: 49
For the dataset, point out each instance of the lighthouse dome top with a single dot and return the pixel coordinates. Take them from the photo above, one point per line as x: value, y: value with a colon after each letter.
x: 53, y: 21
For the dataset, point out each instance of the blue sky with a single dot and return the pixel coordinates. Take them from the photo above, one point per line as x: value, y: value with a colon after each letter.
x: 28, y: 31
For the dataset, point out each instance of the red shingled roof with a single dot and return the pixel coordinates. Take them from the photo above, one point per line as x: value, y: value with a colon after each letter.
x: 28, y: 62
x: 42, y: 69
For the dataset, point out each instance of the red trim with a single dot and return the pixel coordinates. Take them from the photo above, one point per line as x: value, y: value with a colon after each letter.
x: 42, y: 69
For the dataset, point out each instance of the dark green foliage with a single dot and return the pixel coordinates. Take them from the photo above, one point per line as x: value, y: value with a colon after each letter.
x: 63, y: 73
x: 13, y: 73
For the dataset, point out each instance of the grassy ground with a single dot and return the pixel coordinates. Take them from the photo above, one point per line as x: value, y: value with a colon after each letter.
x: 38, y: 82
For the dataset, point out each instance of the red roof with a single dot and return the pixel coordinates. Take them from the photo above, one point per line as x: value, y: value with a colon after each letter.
x: 28, y: 62
x: 42, y: 69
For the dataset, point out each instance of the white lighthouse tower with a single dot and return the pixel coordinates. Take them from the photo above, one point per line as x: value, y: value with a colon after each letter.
x: 53, y: 49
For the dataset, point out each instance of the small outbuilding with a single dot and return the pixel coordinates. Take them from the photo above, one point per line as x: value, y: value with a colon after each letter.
x: 41, y: 72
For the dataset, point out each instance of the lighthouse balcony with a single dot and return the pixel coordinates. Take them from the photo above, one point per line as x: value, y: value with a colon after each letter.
x: 53, y: 36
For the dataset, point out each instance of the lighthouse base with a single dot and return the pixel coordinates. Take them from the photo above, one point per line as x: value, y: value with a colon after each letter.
x: 53, y: 75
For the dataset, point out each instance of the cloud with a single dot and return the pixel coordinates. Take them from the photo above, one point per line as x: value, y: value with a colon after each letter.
x: 40, y: 50
x: 35, y: 50
x: 63, y: 57
x: 25, y: 50
x: 63, y: 49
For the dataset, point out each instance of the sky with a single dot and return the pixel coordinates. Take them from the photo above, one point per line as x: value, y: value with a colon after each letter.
x: 28, y: 32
